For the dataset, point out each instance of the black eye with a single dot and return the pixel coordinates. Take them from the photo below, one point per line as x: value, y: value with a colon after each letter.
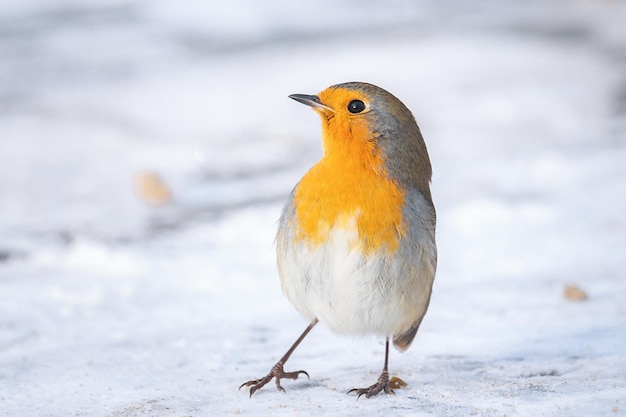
x: 356, y: 106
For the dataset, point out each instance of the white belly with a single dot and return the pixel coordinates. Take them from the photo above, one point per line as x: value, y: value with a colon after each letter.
x: 349, y: 292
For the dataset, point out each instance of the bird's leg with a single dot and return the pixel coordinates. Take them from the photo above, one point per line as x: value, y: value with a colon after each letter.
x: 277, y: 371
x: 383, y: 381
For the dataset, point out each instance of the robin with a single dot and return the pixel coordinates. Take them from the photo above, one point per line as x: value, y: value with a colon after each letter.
x: 356, y: 240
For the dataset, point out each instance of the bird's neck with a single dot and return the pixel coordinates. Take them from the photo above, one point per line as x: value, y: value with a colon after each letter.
x: 349, y: 186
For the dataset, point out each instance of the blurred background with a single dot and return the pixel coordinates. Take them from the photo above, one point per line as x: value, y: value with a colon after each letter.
x: 147, y: 147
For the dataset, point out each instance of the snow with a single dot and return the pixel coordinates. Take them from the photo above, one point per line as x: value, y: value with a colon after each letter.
x: 111, y: 307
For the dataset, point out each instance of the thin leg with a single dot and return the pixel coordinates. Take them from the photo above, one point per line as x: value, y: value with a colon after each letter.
x: 277, y: 370
x: 383, y: 380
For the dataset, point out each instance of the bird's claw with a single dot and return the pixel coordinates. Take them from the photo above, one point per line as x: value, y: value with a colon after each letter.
x: 381, y: 385
x: 278, y: 373
x: 371, y: 391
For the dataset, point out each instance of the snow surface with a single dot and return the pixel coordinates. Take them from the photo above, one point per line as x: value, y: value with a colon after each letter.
x: 109, y: 307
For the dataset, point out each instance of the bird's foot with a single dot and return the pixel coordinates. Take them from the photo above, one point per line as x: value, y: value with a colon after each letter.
x: 278, y: 373
x: 381, y: 385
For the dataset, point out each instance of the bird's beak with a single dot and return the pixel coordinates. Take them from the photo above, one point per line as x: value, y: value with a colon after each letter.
x: 313, y: 101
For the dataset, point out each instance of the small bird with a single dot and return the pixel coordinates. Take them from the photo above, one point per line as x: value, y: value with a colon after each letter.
x: 356, y: 240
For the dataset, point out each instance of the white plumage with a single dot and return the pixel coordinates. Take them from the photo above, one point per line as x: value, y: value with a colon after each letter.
x: 352, y: 293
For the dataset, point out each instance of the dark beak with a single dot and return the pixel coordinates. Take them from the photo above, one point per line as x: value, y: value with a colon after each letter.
x: 313, y: 101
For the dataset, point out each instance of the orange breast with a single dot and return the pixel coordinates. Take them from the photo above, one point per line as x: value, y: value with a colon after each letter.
x: 348, y: 186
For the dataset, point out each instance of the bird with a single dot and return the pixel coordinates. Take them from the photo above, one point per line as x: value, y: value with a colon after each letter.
x: 356, y: 248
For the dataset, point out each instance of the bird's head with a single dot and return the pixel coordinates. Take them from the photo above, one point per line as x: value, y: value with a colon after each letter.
x: 361, y: 119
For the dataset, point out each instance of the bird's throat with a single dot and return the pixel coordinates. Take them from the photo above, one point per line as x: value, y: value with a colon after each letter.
x: 350, y: 185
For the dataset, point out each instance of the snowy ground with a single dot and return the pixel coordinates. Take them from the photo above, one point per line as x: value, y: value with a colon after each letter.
x: 110, y: 307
